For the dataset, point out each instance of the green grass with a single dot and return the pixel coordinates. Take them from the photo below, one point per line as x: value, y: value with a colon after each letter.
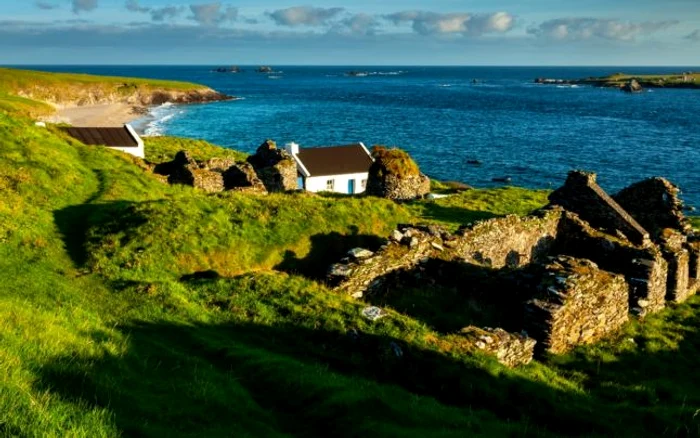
x: 60, y: 86
x: 394, y: 161
x: 479, y: 204
x: 30, y: 93
x: 105, y: 332
x: 162, y: 149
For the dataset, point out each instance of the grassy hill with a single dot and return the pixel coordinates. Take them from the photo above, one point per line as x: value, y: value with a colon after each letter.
x: 35, y: 93
x: 130, y: 307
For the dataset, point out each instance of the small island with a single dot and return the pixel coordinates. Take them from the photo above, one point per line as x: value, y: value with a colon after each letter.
x: 232, y: 69
x: 634, y: 83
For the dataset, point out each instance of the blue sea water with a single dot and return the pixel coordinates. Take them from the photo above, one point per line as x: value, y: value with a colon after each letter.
x: 535, y: 134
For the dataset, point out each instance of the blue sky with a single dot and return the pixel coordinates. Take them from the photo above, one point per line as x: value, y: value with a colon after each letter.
x: 362, y: 32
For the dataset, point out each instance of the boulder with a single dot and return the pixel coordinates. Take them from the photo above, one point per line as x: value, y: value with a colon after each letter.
x: 632, y: 86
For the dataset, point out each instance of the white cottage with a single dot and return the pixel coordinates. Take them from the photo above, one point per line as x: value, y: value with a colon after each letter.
x: 123, y: 139
x: 339, y: 169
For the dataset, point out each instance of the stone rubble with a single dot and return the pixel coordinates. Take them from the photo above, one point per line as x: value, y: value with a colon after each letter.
x: 510, y: 349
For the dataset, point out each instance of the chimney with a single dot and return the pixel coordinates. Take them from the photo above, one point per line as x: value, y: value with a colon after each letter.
x: 292, y: 148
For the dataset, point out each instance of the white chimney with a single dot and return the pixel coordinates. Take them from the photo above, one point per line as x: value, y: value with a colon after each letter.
x: 292, y: 148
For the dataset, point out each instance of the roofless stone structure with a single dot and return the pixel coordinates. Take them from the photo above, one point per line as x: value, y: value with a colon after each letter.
x: 567, y: 275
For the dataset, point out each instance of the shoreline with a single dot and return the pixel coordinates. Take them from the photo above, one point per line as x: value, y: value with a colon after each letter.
x: 101, y: 115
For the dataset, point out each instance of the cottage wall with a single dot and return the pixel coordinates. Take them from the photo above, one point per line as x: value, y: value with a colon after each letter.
x: 135, y: 151
x: 512, y: 241
x: 318, y: 183
x: 645, y: 268
x: 578, y: 304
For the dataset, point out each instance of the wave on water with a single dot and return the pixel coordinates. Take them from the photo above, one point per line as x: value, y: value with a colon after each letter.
x: 159, y: 118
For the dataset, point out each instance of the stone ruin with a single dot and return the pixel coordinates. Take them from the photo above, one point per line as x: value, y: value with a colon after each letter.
x: 569, y: 274
x: 275, y: 167
x: 269, y: 170
x: 394, y: 175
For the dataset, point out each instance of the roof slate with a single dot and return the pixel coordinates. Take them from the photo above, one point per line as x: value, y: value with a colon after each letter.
x: 335, y: 160
x: 113, y: 137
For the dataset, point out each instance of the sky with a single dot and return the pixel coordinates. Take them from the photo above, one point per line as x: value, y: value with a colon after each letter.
x: 361, y: 32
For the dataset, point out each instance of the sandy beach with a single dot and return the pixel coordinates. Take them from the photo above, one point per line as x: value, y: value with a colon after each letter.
x: 104, y: 115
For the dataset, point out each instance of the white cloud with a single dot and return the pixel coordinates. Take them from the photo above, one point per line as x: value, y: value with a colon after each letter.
x: 358, y: 24
x: 304, y: 16
x: 157, y: 14
x: 213, y: 14
x: 83, y: 5
x: 592, y: 28
x: 46, y: 5
x: 464, y: 23
x: 133, y: 6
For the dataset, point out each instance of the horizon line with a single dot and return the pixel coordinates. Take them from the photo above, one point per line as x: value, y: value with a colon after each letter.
x: 11, y: 65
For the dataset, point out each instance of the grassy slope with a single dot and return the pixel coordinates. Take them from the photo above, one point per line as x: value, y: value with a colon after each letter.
x: 162, y: 149
x: 63, y: 87
x: 100, y: 335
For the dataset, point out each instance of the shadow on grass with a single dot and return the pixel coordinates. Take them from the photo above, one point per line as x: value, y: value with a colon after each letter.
x: 456, y: 215
x: 243, y: 379
x: 74, y: 224
x: 326, y: 249
x: 448, y: 296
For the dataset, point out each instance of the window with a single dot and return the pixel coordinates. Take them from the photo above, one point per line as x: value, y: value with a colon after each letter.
x: 364, y: 184
x: 330, y: 185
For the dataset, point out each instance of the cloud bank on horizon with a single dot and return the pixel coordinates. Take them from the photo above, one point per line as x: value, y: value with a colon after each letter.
x: 365, y: 32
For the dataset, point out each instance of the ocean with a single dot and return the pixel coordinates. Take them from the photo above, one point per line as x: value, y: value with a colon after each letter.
x: 446, y: 117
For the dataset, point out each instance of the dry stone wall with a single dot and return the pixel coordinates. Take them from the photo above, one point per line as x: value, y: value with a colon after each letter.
x: 275, y: 167
x: 654, y: 203
x: 398, y: 188
x: 644, y: 268
x: 578, y: 304
x: 510, y: 349
x: 407, y: 247
x: 580, y: 266
x: 583, y: 196
x: 511, y: 242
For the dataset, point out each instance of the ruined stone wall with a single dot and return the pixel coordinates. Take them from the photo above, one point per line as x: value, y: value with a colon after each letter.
x: 275, y: 167
x: 578, y: 304
x: 398, y: 188
x: 512, y: 241
x: 408, y: 246
x: 644, y: 268
x: 693, y: 247
x: 678, y: 285
x: 509, y: 348
x: 583, y: 196
x: 654, y: 203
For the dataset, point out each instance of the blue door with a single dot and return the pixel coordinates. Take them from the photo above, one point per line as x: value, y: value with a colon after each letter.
x: 300, y: 182
x: 351, y: 186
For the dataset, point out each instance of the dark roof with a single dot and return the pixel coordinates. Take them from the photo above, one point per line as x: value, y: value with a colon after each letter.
x: 335, y: 160
x: 115, y: 137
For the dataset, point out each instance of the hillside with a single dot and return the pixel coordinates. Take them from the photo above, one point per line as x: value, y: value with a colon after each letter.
x: 131, y: 307
x: 37, y: 93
